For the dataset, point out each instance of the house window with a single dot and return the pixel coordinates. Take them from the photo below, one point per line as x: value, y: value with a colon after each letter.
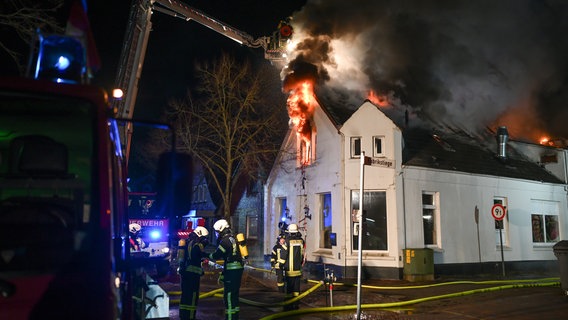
x: 544, y: 221
x: 325, y: 220
x: 355, y: 147
x: 502, y: 225
x: 252, y: 227
x: 199, y: 193
x: 283, y: 209
x: 431, y: 218
x: 378, y: 147
x: 374, y: 220
x: 306, y: 143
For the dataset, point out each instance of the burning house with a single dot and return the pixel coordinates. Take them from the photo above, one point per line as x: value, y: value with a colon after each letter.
x: 426, y: 188
x: 415, y: 86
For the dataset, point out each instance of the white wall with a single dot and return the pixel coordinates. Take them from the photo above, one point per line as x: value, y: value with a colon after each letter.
x: 459, y: 195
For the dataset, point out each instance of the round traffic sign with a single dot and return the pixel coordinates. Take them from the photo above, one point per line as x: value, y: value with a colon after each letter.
x: 498, y: 211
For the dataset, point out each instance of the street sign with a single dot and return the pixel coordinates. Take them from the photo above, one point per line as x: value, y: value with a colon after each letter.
x: 498, y: 211
x: 379, y: 162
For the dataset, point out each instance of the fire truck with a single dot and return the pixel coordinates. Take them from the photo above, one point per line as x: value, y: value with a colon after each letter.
x: 64, y: 238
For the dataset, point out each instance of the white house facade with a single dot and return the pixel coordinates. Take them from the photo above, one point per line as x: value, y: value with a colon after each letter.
x: 422, y: 190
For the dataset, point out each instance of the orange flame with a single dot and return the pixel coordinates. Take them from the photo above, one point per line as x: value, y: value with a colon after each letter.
x: 301, y: 105
x: 379, y: 100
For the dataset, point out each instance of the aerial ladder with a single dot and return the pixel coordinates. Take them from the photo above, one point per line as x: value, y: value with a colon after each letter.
x: 136, y: 42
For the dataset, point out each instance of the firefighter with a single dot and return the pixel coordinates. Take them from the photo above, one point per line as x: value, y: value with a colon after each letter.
x: 294, y: 261
x: 136, y: 243
x: 190, y: 255
x: 233, y: 266
x: 277, y: 261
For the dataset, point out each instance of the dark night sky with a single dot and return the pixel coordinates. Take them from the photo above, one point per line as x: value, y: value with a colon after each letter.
x: 176, y: 45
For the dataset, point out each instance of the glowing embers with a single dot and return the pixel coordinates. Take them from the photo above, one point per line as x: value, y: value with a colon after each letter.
x: 301, y: 105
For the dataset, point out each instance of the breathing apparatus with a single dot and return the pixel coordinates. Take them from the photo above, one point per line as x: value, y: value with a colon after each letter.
x: 242, y: 242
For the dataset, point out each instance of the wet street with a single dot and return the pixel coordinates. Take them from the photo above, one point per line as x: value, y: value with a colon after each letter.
x: 386, y: 299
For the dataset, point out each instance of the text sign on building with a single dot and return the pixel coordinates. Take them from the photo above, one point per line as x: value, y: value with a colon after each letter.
x: 498, y: 211
x: 379, y: 162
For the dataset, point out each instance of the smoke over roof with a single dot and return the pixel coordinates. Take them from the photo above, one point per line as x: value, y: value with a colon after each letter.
x: 472, y: 63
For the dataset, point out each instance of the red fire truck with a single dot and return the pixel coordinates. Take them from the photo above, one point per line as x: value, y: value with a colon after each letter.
x: 64, y: 238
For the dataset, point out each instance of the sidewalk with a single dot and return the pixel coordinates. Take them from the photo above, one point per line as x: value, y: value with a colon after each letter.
x: 471, y: 299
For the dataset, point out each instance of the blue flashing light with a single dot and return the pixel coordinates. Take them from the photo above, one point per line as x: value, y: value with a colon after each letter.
x: 155, y: 234
x: 283, y: 219
x: 61, y: 59
x: 62, y: 63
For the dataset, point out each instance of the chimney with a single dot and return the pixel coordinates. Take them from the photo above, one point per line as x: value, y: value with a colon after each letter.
x: 502, y: 138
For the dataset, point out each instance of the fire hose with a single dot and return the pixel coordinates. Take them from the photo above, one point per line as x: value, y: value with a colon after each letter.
x: 548, y: 282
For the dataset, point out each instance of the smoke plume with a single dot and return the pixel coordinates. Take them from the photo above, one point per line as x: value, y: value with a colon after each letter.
x: 470, y: 63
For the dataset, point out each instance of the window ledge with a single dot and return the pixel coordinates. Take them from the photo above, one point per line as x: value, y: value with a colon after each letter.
x: 324, y: 252
x: 543, y: 246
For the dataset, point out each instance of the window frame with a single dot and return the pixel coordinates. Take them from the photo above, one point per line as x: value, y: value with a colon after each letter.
x: 325, y: 212
x: 435, y: 207
x: 353, y: 147
x: 545, y: 209
x: 376, y: 153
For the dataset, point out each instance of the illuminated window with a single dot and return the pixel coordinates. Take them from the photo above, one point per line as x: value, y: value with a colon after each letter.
x: 431, y: 218
x: 306, y: 144
x: 355, y: 147
x: 325, y: 220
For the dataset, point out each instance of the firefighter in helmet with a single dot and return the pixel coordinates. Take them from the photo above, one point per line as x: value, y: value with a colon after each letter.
x: 136, y: 243
x: 228, y: 250
x: 277, y: 261
x: 190, y: 255
x: 294, y: 261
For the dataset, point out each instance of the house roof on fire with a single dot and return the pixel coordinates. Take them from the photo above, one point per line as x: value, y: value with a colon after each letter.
x: 440, y: 147
x: 458, y: 151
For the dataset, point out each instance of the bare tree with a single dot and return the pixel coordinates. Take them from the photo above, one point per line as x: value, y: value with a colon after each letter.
x: 19, y: 22
x: 232, y: 124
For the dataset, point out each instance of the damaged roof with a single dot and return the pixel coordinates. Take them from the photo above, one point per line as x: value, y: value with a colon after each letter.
x: 448, y: 148
x: 458, y: 151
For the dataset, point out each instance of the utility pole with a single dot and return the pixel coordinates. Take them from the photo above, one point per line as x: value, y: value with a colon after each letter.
x: 360, y: 240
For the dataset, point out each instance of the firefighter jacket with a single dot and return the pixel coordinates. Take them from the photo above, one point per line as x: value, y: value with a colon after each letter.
x: 228, y: 250
x: 294, y: 255
x: 276, y: 258
x: 196, y: 253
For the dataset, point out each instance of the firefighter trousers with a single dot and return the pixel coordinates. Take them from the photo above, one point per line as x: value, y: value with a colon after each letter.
x: 190, y: 282
x: 232, y: 285
x: 292, y: 291
x: 280, y: 280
